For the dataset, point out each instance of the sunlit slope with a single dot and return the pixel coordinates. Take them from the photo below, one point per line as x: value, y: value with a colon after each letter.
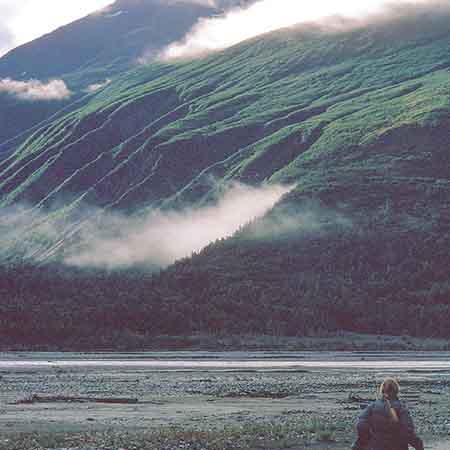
x: 296, y: 105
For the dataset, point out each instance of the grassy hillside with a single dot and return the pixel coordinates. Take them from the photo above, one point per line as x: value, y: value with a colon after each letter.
x: 359, y: 121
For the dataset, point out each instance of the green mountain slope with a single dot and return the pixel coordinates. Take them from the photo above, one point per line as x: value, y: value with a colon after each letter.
x: 357, y: 120
x: 89, y: 52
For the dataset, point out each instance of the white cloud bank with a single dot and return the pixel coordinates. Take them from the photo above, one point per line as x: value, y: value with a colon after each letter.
x: 264, y: 16
x: 161, y: 238
x: 114, y: 240
x: 35, y: 90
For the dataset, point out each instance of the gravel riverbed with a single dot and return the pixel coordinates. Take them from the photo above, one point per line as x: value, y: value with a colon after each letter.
x: 207, y: 408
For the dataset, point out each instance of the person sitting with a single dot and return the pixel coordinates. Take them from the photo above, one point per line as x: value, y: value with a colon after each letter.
x: 386, y: 423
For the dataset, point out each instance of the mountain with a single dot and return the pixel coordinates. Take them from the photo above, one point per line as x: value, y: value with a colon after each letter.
x: 90, y: 51
x: 357, y: 121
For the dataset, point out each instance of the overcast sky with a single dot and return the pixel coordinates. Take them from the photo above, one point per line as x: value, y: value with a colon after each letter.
x: 24, y: 20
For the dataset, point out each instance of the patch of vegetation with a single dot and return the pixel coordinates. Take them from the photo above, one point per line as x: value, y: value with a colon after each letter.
x: 281, y: 433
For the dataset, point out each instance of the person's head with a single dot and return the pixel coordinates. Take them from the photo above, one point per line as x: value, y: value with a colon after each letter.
x: 389, y: 389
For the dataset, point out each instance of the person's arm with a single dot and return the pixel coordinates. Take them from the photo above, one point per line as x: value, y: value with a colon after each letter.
x: 363, y: 429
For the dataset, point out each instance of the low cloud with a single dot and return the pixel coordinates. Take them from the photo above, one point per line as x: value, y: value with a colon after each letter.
x: 97, y: 86
x: 160, y: 238
x: 114, y: 240
x: 263, y: 16
x: 35, y: 90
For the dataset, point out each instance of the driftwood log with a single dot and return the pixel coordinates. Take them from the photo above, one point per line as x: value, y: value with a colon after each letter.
x: 357, y: 399
x: 72, y: 399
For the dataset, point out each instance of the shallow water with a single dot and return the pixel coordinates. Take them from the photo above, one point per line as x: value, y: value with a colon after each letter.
x: 393, y: 361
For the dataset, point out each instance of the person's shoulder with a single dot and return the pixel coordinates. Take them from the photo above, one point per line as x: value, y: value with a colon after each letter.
x: 377, y: 403
x: 374, y: 405
x: 380, y: 406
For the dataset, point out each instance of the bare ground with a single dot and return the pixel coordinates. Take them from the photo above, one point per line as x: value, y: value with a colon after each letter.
x: 208, y: 409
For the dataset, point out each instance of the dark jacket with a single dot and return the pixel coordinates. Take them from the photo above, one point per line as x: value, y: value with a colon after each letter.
x: 377, y: 430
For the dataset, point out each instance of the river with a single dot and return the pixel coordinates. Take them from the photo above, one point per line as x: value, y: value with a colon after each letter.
x: 386, y: 361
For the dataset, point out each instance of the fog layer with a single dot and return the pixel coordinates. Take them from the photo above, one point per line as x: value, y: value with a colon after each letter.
x: 89, y: 237
x: 160, y: 238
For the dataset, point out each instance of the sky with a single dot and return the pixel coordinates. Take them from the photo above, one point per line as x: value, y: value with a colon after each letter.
x: 24, y: 20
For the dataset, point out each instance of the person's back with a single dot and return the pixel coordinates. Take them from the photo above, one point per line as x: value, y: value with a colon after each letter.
x: 386, y: 423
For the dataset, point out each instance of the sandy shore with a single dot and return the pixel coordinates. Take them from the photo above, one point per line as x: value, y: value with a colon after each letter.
x: 208, y: 408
